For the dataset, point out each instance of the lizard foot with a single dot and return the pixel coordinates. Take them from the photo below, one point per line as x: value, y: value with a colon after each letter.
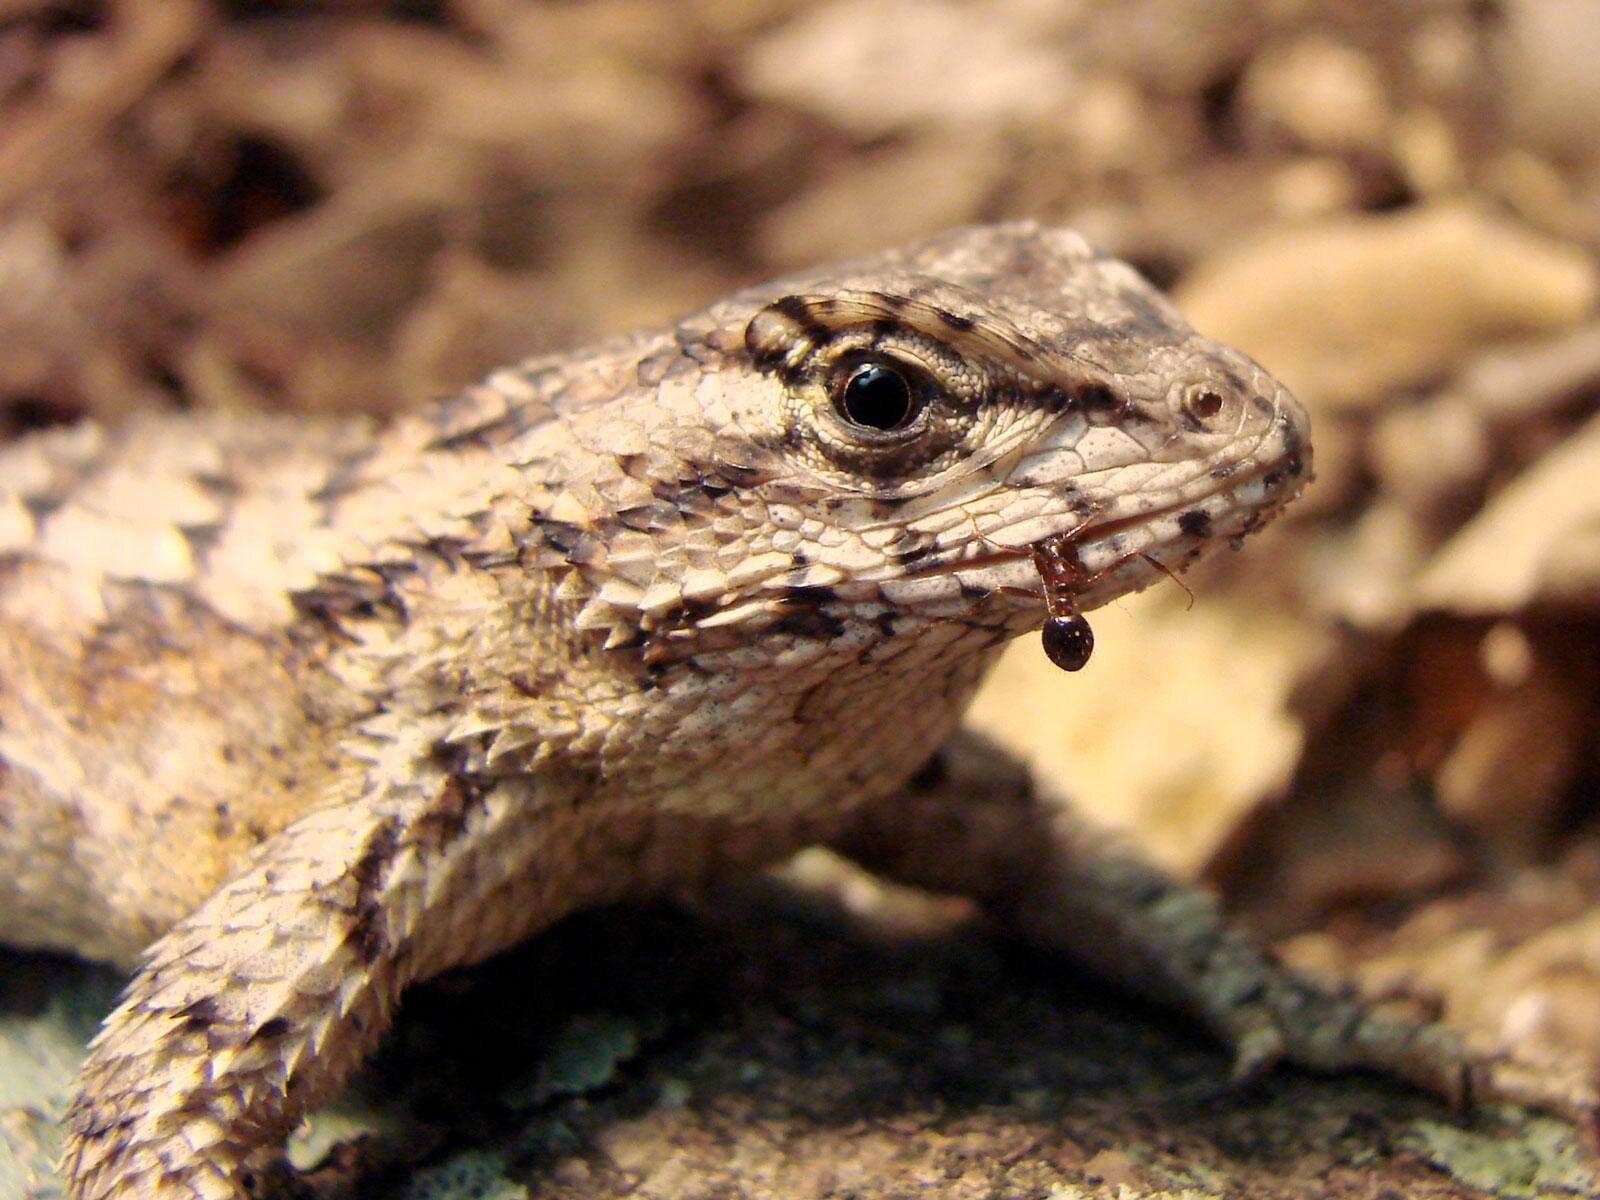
x: 1300, y: 1022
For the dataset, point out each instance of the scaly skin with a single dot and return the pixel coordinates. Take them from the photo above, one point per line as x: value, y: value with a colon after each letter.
x: 320, y: 709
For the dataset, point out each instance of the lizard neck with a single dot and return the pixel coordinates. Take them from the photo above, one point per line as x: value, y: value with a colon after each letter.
x: 724, y: 739
x: 775, y: 725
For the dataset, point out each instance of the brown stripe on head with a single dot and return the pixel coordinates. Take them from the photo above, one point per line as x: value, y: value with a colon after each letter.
x: 782, y: 334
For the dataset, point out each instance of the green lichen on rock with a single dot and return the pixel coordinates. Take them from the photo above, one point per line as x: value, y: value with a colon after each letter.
x: 1065, y: 1191
x: 1534, y: 1157
x: 473, y: 1175
x: 584, y: 1057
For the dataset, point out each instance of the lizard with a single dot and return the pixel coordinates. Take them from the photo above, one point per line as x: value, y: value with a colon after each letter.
x: 295, y: 712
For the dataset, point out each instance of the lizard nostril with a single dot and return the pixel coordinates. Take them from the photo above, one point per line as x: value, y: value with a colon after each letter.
x: 1204, y: 404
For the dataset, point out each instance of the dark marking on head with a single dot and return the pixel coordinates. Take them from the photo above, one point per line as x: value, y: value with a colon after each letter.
x: 1196, y: 522
x: 799, y: 311
x: 743, y: 474
x: 1056, y: 398
x: 805, y: 614
x: 956, y: 321
x: 1224, y: 470
x: 885, y: 621
x: 887, y: 506
x: 770, y: 336
x: 1099, y: 401
x: 809, y: 593
x: 699, y: 484
x: 911, y: 551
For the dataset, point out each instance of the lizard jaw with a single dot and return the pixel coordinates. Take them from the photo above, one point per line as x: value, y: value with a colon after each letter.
x: 1126, y: 553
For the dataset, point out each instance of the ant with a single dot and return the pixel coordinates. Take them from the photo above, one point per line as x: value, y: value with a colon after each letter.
x: 1068, y: 640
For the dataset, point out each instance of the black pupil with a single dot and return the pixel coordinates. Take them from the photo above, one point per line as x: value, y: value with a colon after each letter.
x: 876, y: 396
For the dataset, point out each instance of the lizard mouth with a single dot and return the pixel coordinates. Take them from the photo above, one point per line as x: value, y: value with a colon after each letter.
x: 1108, y: 558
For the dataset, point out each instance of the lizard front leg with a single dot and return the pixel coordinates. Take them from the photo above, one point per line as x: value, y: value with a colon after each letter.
x: 974, y: 822
x: 260, y: 1004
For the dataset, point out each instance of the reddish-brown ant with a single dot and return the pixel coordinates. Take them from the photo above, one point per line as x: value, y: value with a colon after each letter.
x: 1068, y: 640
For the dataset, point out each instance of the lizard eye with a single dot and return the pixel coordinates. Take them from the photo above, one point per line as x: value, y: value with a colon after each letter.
x: 878, y: 395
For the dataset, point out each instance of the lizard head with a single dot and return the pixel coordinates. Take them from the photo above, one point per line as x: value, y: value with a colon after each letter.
x: 915, y: 424
x: 841, y: 493
x: 843, y: 457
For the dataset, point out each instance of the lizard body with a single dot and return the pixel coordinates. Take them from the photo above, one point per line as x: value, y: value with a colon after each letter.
x: 320, y: 708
